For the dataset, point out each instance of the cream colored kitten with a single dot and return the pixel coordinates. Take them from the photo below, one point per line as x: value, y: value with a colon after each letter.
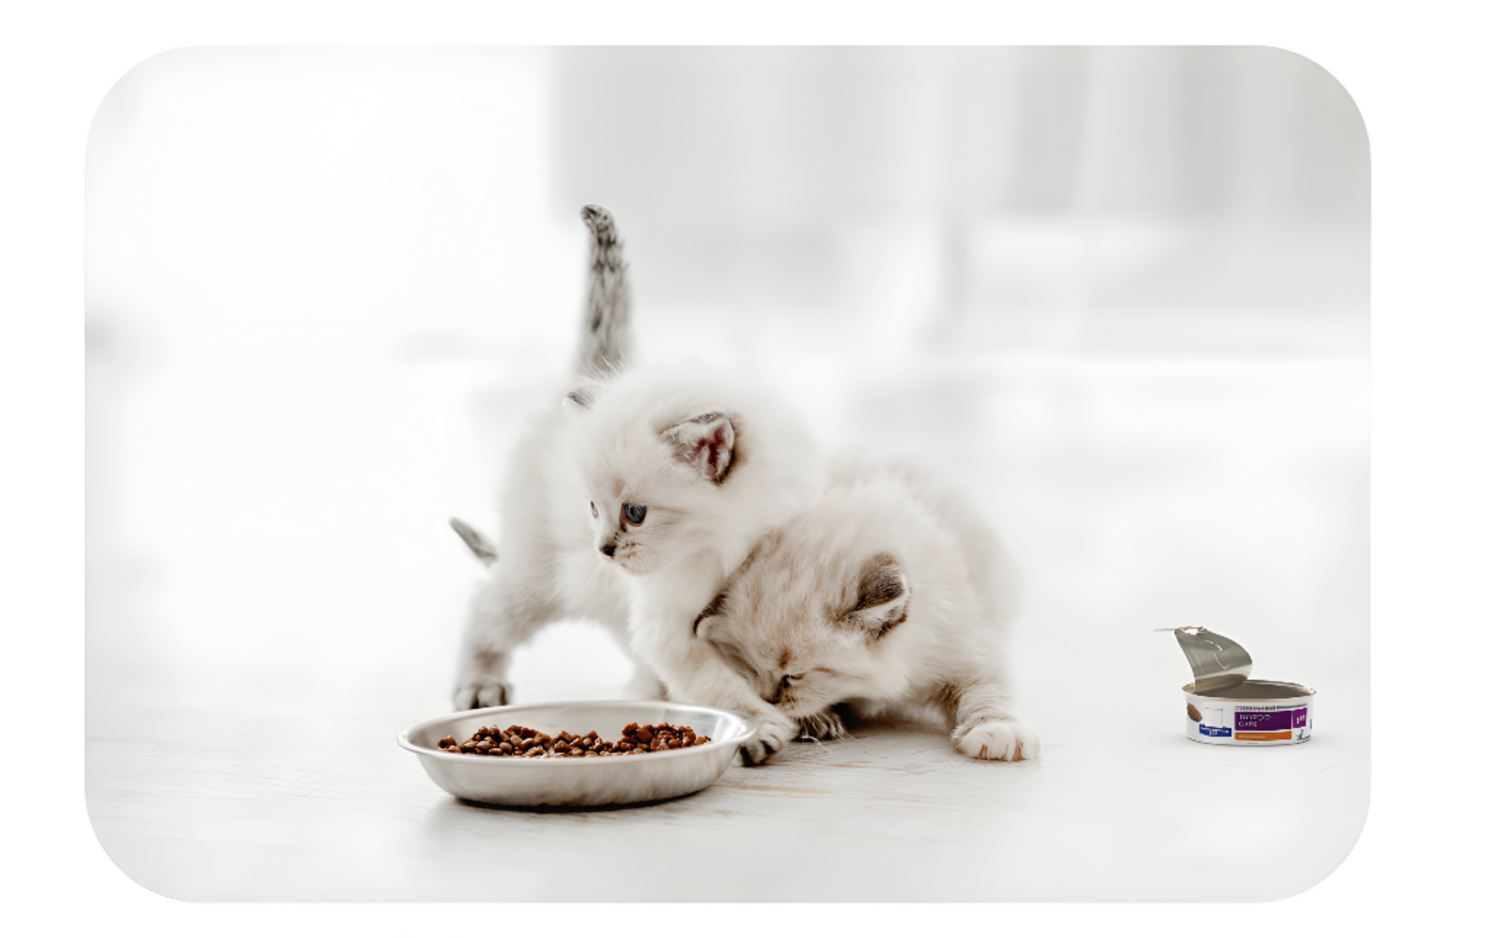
x: 891, y: 596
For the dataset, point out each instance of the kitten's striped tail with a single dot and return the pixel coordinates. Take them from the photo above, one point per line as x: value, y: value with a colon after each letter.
x: 605, y: 345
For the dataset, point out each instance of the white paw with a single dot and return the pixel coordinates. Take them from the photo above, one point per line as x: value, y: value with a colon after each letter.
x: 1002, y: 740
x: 483, y: 693
x: 772, y: 733
x: 827, y: 724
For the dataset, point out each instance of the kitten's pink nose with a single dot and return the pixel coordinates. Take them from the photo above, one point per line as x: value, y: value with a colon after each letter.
x: 607, y: 550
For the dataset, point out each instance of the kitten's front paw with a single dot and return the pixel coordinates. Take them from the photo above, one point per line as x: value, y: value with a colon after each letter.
x: 484, y: 693
x: 773, y: 732
x: 1002, y: 740
x: 825, y: 725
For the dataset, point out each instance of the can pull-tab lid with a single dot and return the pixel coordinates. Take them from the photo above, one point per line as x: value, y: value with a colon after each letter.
x: 1218, y: 663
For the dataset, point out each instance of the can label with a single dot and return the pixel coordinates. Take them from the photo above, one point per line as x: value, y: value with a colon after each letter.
x: 1251, y: 723
x: 1266, y: 725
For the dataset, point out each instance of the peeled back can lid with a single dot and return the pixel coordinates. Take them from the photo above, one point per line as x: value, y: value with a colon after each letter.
x: 1218, y: 663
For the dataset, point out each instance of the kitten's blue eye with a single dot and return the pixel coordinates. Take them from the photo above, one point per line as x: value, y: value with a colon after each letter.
x: 635, y: 514
x: 594, y: 508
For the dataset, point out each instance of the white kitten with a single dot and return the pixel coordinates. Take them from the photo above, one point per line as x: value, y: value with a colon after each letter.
x: 683, y: 477
x: 630, y: 506
x: 545, y: 567
x: 891, y: 596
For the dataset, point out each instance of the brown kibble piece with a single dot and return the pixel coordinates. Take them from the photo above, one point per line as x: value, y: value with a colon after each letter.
x: 525, y: 742
x: 1194, y: 715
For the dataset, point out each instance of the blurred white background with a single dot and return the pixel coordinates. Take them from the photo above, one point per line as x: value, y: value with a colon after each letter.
x: 1120, y: 294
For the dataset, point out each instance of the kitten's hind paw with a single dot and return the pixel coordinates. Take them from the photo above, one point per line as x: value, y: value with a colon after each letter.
x: 477, y: 696
x: 1000, y: 740
x: 771, y: 735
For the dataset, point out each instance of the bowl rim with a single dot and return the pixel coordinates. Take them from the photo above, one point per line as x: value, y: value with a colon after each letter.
x: 403, y: 739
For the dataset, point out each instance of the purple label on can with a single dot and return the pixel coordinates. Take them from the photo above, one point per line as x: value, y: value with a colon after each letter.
x: 1265, y: 720
x: 1299, y: 718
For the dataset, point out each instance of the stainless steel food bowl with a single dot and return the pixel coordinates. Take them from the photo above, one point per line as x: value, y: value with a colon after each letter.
x: 579, y: 782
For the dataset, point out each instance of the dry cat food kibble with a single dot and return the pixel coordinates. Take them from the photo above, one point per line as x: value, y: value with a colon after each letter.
x: 529, y: 743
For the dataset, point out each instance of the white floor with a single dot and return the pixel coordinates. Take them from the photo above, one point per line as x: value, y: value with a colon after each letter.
x: 274, y: 595
x: 220, y: 800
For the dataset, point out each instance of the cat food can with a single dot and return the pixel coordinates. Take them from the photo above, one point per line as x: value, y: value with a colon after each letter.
x: 1226, y: 708
x: 1252, y: 713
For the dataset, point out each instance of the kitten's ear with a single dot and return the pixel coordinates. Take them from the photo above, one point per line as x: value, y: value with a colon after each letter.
x: 710, y: 616
x: 581, y: 397
x: 704, y: 442
x: 713, y: 627
x: 883, y: 596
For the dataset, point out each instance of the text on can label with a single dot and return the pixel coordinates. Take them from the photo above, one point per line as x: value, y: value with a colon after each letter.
x: 1263, y: 721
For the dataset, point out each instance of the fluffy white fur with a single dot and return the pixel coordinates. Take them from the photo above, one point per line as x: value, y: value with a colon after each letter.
x: 714, y: 467
x: 630, y: 505
x: 890, y: 595
x: 545, y: 568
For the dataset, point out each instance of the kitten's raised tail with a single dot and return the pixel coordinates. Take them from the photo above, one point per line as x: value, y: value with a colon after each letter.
x: 477, y: 542
x: 604, y: 348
